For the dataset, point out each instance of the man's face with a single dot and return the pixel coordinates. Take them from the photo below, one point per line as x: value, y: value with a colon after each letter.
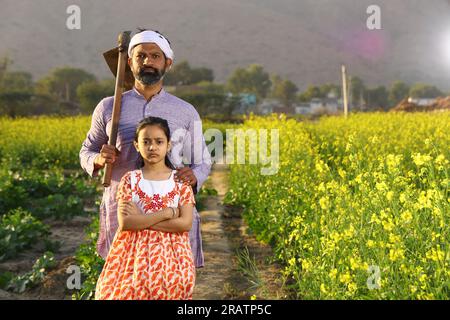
x: 148, y: 63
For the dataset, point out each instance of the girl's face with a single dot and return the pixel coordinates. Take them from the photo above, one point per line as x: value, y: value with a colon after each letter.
x: 152, y: 144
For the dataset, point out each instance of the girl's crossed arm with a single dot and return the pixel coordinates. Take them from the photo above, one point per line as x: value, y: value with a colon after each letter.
x: 130, y: 217
x: 180, y: 224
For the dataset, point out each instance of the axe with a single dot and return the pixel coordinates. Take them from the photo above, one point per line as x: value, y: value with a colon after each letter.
x: 117, y: 61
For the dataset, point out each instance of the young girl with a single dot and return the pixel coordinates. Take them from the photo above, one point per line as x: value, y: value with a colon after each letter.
x: 151, y: 257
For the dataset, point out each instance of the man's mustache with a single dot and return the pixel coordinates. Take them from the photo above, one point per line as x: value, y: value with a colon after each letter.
x: 149, y: 75
x: 148, y: 69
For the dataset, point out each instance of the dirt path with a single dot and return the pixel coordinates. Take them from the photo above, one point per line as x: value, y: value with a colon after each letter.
x: 217, y: 251
x: 225, y: 237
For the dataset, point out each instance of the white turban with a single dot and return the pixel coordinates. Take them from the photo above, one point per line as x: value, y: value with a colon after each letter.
x: 153, y: 37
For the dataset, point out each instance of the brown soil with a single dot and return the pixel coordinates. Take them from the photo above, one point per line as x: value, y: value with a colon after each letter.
x: 70, y: 234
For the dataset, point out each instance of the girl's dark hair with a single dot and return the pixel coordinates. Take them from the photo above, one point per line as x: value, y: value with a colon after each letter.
x: 154, y: 121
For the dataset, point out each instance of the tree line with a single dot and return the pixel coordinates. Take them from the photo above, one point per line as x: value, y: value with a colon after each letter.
x: 70, y: 91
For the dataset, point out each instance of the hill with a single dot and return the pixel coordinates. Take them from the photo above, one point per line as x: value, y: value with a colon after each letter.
x: 305, y: 41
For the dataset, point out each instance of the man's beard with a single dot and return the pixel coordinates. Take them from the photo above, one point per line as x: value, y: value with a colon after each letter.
x: 149, y: 78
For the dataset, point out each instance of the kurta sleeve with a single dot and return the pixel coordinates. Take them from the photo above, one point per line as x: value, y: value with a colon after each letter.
x: 94, y: 141
x: 200, y: 156
x: 186, y: 195
x: 124, y: 189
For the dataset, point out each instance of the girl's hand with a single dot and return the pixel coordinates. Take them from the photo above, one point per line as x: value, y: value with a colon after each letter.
x: 172, y: 212
x: 129, y: 208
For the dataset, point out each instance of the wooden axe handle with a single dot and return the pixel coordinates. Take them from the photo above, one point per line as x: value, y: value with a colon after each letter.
x: 123, y: 41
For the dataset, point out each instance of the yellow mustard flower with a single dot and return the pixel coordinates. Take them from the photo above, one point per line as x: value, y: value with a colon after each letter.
x: 333, y: 273
x: 406, y: 216
x: 371, y: 243
x: 345, y: 278
x: 396, y: 254
x: 420, y: 159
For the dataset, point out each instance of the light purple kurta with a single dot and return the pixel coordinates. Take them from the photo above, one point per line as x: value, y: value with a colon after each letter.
x: 185, y: 126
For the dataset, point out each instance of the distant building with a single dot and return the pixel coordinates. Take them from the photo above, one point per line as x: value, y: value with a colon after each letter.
x: 247, y: 103
x: 248, y: 98
x: 302, y: 108
x: 331, y: 105
x: 326, y: 104
x: 267, y: 106
x: 422, y: 102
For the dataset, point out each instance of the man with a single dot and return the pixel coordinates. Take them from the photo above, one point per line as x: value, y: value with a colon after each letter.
x: 149, y: 57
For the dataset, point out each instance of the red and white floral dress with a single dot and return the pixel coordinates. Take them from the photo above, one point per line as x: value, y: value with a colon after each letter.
x: 149, y: 264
